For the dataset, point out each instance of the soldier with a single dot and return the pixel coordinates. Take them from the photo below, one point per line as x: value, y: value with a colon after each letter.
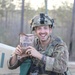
x: 49, y: 56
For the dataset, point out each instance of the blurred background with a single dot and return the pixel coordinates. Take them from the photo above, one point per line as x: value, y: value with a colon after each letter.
x: 15, y: 16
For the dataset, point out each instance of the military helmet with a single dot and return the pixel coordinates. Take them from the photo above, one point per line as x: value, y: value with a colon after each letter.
x: 40, y: 20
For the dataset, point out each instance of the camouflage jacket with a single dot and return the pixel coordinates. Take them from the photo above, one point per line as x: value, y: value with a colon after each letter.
x: 56, y: 58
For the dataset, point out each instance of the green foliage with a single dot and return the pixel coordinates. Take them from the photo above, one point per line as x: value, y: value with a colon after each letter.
x: 63, y: 14
x: 5, y: 5
x: 29, y: 12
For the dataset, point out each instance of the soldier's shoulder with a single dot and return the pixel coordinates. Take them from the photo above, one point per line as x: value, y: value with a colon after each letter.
x: 57, y: 40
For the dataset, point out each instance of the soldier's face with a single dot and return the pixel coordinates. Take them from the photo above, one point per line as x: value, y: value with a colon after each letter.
x: 43, y: 32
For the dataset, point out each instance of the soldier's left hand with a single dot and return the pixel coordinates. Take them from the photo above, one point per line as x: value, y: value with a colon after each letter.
x: 33, y: 52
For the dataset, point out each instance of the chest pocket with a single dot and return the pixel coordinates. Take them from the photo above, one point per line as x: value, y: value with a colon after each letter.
x: 49, y: 50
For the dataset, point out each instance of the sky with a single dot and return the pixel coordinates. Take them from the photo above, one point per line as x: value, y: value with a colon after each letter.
x: 39, y: 3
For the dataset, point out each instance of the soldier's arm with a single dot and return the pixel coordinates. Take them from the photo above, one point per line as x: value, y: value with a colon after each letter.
x: 15, y: 62
x: 58, y: 63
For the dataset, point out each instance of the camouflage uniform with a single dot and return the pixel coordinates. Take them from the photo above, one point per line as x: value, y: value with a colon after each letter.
x: 56, y: 59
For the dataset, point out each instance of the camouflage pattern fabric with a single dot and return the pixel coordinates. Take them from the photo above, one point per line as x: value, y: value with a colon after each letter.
x: 57, y: 56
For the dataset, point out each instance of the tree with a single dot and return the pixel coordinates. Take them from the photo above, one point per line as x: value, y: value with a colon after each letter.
x: 63, y: 14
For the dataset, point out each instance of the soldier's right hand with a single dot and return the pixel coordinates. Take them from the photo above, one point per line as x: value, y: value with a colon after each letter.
x: 20, y: 52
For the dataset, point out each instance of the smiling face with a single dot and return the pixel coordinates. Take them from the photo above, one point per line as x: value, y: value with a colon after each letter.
x: 43, y: 32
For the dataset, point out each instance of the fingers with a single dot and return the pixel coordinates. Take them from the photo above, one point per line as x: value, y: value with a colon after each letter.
x: 24, y: 55
x: 29, y: 47
x: 28, y: 51
x: 18, y: 50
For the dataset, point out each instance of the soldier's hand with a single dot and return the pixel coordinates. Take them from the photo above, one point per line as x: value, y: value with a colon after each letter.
x: 33, y: 52
x: 20, y: 52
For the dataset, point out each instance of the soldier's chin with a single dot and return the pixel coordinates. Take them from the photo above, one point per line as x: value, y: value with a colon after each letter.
x: 43, y: 40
